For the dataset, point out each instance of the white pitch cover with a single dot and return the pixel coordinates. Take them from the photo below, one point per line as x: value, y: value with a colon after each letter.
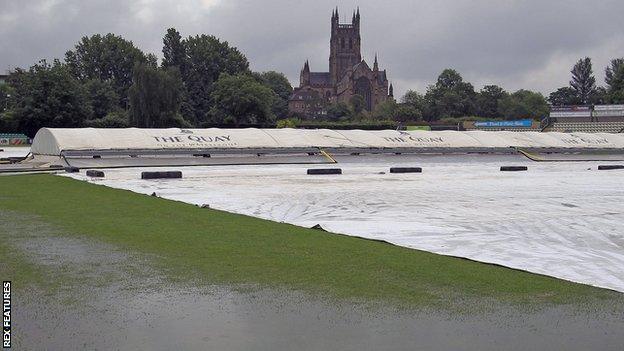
x: 52, y: 141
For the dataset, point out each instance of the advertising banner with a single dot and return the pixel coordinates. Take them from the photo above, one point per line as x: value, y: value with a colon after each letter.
x: 571, y: 111
x: 609, y: 113
x: 570, y: 108
x: 609, y: 108
x: 524, y: 123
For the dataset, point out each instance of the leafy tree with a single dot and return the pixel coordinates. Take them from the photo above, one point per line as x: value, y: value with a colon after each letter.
x: 614, y: 77
x: 614, y: 74
x: 7, y: 122
x: 450, y: 96
x: 175, y: 55
x: 338, y: 111
x: 174, y: 52
x: 46, y: 95
x: 358, y: 105
x: 599, y: 96
x: 583, y: 81
x: 281, y: 87
x: 109, y: 58
x: 286, y: 123
x: 411, y: 107
x: 564, y: 96
x: 386, y: 110
x: 241, y: 100
x: 101, y: 97
x: 407, y: 113
x: 155, y: 97
x: 117, y: 119
x: 414, y: 100
x: 208, y: 58
x: 5, y: 94
x: 523, y: 104
x: 487, y: 101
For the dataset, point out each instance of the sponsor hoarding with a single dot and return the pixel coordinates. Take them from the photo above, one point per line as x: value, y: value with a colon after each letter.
x: 571, y: 114
x: 525, y: 123
x: 609, y: 108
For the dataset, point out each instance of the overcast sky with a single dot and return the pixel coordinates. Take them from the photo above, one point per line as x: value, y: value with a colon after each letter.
x: 516, y: 44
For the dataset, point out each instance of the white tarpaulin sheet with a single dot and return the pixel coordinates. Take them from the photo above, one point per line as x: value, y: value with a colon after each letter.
x: 49, y: 141
x: 559, y: 219
x: 14, y: 151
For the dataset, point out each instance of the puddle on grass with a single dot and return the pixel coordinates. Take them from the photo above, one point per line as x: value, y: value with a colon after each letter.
x: 116, y: 300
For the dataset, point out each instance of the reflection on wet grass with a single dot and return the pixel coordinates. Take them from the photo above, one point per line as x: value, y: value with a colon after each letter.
x: 190, y: 244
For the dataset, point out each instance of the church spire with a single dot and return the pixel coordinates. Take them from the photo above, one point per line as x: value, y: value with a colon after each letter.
x: 304, y: 77
x: 391, y: 91
x: 375, y: 64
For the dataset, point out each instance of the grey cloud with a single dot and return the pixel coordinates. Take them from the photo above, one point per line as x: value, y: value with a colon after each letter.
x: 517, y: 44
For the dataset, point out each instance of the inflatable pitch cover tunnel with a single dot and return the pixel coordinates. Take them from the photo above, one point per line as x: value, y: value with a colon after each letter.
x: 135, y: 147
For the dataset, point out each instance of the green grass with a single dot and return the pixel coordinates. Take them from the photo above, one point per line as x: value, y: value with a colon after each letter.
x: 212, y: 246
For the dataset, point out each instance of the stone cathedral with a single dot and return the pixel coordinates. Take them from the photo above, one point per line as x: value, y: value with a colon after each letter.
x: 348, y: 74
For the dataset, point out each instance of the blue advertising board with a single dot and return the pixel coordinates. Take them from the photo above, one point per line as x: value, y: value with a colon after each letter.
x: 527, y: 123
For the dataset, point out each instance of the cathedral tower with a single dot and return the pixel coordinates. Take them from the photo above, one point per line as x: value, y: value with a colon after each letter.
x: 348, y: 75
x: 344, y: 45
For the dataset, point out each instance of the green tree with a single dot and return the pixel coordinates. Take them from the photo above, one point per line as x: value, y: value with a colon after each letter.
x: 487, y: 101
x: 281, y: 87
x: 46, y: 95
x: 109, y: 58
x: 101, y: 97
x: 386, y: 110
x: 407, y: 113
x: 175, y: 55
x: 583, y: 81
x: 241, y: 100
x: 614, y: 77
x: 6, y: 115
x: 286, y: 123
x: 599, y: 96
x: 5, y: 94
x: 155, y: 97
x: 174, y: 52
x: 338, y: 111
x: 564, y: 96
x: 358, y: 105
x: 117, y: 119
x: 411, y: 107
x: 450, y: 96
x: 523, y: 104
x: 414, y: 99
x: 208, y: 58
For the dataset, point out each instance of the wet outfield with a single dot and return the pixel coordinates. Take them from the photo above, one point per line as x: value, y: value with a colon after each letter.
x: 112, y: 299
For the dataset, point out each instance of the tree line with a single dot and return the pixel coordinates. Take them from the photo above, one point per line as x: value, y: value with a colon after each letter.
x: 106, y: 81
x: 583, y: 90
x: 451, y: 97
